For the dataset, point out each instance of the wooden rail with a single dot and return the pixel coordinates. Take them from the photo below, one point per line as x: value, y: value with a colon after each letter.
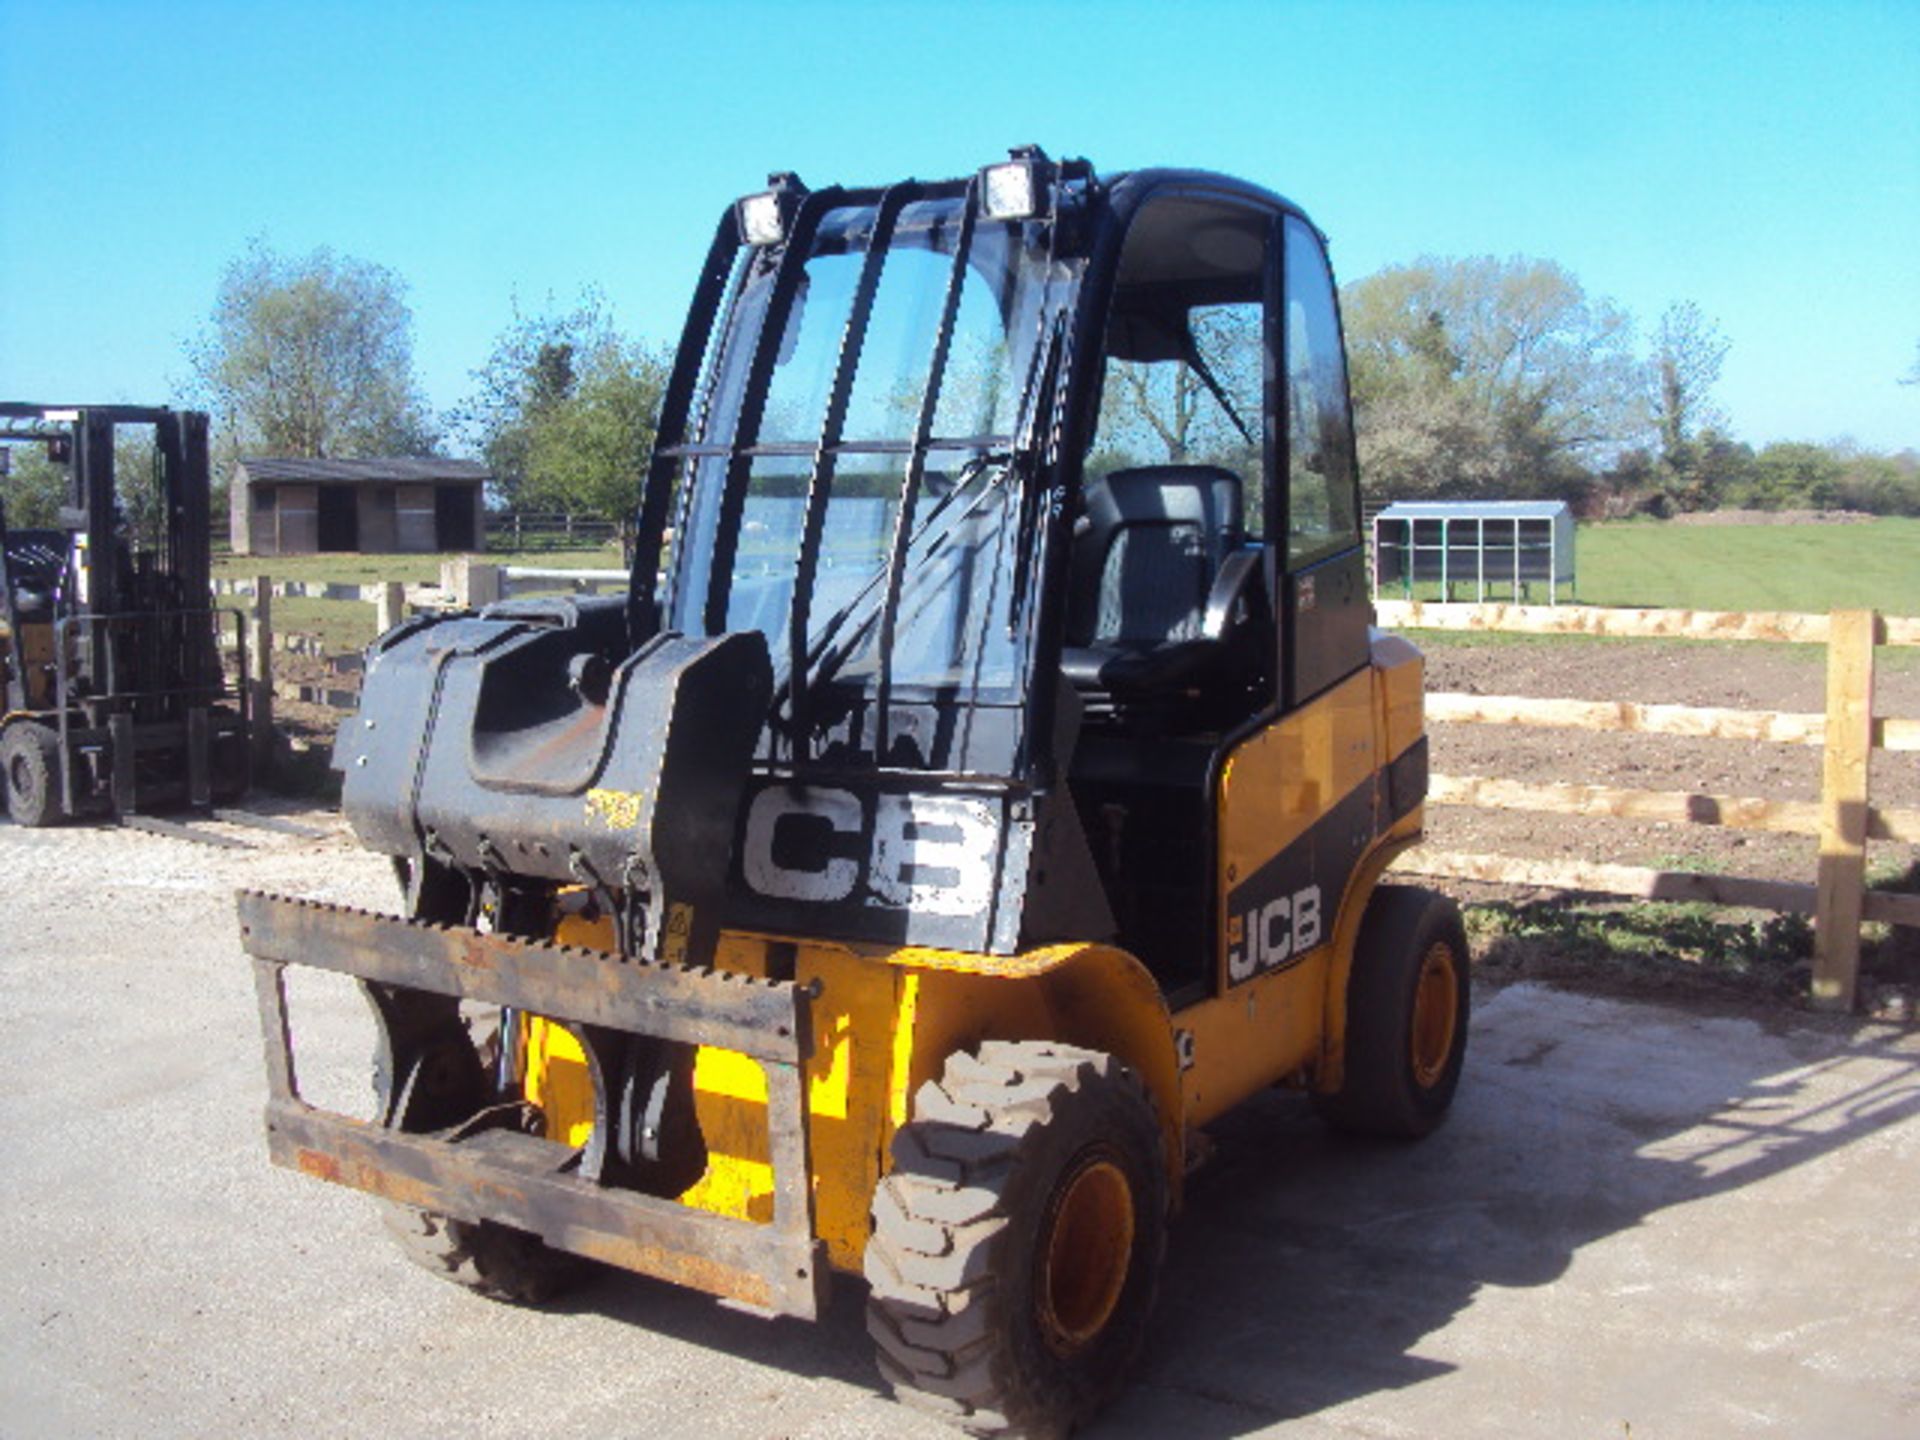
x: 1637, y: 624
x: 1699, y: 721
x: 1588, y: 878
x: 1666, y: 807
x: 1843, y: 819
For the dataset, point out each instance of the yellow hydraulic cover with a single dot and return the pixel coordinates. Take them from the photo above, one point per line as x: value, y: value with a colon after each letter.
x: 883, y: 1022
x: 854, y: 1015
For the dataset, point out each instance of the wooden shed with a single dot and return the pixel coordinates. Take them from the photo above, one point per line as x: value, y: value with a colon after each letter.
x: 414, y: 505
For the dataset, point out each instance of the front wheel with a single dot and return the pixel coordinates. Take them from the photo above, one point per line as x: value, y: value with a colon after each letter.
x: 1407, y: 1001
x: 30, y: 773
x: 1017, y: 1241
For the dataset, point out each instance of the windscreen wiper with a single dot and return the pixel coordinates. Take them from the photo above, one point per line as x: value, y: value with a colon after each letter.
x: 1200, y: 368
x: 817, y: 651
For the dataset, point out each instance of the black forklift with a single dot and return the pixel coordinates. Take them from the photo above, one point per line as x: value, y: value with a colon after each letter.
x: 118, y: 702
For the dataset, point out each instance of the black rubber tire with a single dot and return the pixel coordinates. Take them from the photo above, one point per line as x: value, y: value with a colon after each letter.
x: 30, y: 773
x: 489, y: 1259
x: 962, y: 1222
x: 1380, y: 1092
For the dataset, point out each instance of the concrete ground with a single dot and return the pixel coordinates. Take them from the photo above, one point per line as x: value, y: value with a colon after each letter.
x: 1639, y: 1222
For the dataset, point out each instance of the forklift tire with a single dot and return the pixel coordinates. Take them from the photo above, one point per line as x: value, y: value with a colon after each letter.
x: 29, y: 767
x: 492, y: 1260
x: 1407, y: 1004
x: 1017, y: 1241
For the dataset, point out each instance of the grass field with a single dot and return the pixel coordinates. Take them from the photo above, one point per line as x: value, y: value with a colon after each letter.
x: 1813, y: 568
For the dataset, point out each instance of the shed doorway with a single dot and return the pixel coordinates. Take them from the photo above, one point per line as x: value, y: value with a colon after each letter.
x: 453, y: 517
x: 339, y: 518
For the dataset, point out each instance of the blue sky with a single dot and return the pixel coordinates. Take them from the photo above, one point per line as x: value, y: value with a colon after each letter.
x: 1762, y: 160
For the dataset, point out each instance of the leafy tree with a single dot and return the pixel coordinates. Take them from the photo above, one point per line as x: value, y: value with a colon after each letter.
x: 1483, y: 376
x: 1792, y: 475
x: 1877, y: 484
x: 311, y: 356
x: 565, y: 410
x: 530, y: 370
x: 590, y: 450
x: 35, y: 489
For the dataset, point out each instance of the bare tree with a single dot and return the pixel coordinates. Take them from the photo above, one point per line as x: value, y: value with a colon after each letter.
x: 1688, y: 350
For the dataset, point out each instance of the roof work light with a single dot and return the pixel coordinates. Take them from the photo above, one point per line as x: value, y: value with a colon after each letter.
x: 763, y: 218
x: 1018, y: 188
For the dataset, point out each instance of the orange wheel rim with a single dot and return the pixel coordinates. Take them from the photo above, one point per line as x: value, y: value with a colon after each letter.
x: 1436, y: 1013
x: 1087, y: 1252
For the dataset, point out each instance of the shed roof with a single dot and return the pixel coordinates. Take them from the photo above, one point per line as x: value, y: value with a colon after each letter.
x: 1468, y: 509
x: 405, y: 470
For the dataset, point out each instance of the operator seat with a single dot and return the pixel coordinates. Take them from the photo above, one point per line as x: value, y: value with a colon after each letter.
x: 1159, y: 566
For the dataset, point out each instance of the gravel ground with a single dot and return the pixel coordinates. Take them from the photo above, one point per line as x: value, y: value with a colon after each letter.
x: 1639, y: 1221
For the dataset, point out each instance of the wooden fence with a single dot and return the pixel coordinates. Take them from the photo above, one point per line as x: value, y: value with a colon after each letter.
x: 1844, y: 819
x: 515, y: 531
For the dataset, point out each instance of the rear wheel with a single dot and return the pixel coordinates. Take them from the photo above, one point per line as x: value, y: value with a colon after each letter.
x: 1407, y: 1004
x: 489, y: 1259
x: 1017, y: 1242
x: 29, y: 772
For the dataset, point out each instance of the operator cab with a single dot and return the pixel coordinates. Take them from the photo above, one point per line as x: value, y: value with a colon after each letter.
x: 1219, y: 474
x: 1040, y: 487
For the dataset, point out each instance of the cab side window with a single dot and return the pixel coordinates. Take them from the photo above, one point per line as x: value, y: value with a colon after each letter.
x: 1199, y: 404
x: 1322, y: 503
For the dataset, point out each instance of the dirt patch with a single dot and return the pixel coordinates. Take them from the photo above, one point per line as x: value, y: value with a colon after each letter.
x: 1747, y: 677
x: 1772, y: 517
x: 310, y: 723
x: 1733, y: 949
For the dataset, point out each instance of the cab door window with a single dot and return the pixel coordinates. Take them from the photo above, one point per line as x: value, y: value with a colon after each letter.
x: 1322, y: 500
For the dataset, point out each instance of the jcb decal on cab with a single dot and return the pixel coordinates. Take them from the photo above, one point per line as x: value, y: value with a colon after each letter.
x: 1266, y: 936
x: 916, y: 852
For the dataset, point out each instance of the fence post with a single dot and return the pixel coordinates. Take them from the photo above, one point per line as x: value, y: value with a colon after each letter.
x: 473, y: 583
x: 260, y: 645
x: 389, y: 606
x: 1845, y: 754
x: 485, y: 584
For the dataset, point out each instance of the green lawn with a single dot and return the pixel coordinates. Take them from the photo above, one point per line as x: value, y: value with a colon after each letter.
x: 1812, y: 568
x: 347, y: 625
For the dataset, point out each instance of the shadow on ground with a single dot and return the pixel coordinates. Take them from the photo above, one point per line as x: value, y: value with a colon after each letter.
x: 1307, y: 1268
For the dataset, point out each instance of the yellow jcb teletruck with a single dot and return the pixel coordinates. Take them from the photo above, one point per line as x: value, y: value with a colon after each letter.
x: 985, y: 783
